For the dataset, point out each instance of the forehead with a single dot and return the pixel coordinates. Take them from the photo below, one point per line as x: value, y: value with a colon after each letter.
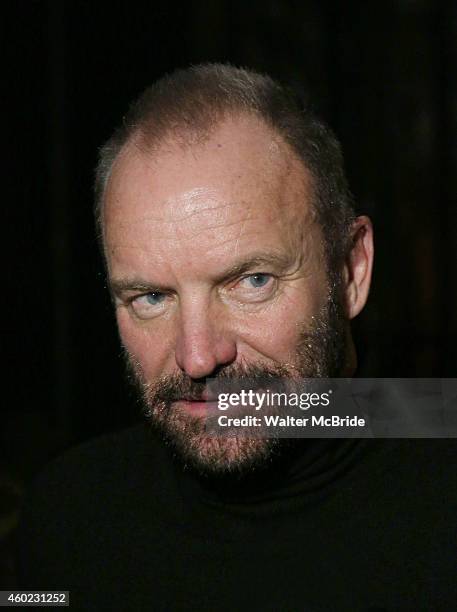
x: 242, y: 179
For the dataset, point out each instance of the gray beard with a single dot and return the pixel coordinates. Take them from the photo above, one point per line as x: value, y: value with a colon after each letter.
x: 320, y: 353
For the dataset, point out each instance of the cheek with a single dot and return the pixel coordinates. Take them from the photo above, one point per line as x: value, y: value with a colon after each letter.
x: 148, y: 346
x: 275, y: 332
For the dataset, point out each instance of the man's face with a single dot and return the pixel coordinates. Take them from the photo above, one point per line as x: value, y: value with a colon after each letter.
x: 218, y: 268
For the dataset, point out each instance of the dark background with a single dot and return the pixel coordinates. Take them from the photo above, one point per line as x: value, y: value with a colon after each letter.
x: 382, y: 74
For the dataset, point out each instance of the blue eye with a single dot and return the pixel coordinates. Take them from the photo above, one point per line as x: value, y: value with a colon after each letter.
x: 255, y: 288
x: 149, y: 305
x: 258, y: 280
x: 154, y: 298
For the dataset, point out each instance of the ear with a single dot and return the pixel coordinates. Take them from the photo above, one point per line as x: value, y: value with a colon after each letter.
x: 358, y: 266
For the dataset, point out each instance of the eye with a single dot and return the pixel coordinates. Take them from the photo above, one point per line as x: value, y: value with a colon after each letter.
x: 258, y: 280
x: 154, y: 298
x: 148, y: 305
x: 255, y: 287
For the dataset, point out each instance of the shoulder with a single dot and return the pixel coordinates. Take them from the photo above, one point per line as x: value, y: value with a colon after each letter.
x: 102, y: 473
x: 95, y: 463
x: 79, y: 502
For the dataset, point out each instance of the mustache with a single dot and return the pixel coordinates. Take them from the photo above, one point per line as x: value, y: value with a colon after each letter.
x: 179, y: 386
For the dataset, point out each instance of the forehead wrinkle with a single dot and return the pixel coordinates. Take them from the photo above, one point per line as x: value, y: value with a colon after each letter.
x: 177, y: 235
x: 225, y: 206
x: 150, y: 219
x: 151, y: 244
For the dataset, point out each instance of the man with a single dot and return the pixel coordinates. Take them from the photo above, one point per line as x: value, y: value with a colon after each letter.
x: 233, y: 253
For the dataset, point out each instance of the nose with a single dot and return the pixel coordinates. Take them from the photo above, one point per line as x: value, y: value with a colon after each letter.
x: 204, y: 342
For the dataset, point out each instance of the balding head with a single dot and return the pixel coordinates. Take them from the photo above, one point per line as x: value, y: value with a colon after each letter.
x: 242, y: 170
x: 186, y: 107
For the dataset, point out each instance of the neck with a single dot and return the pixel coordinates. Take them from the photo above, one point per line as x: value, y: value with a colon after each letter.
x: 305, y: 466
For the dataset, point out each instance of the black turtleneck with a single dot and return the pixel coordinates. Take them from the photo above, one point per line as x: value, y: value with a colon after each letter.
x: 335, y: 525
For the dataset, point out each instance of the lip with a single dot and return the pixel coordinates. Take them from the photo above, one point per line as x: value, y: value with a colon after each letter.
x: 198, y: 407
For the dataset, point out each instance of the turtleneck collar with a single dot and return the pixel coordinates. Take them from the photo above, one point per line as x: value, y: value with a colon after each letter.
x: 294, y: 479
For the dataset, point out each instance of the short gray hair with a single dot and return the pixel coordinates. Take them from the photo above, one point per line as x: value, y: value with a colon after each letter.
x: 190, y: 102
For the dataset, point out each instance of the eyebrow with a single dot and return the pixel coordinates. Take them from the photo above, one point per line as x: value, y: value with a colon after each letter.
x: 132, y: 284
x: 279, y: 261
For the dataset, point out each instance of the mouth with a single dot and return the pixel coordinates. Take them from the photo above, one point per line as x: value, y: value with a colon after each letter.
x: 197, y: 407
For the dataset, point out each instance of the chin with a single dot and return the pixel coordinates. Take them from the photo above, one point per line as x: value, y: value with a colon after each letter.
x: 211, y: 455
